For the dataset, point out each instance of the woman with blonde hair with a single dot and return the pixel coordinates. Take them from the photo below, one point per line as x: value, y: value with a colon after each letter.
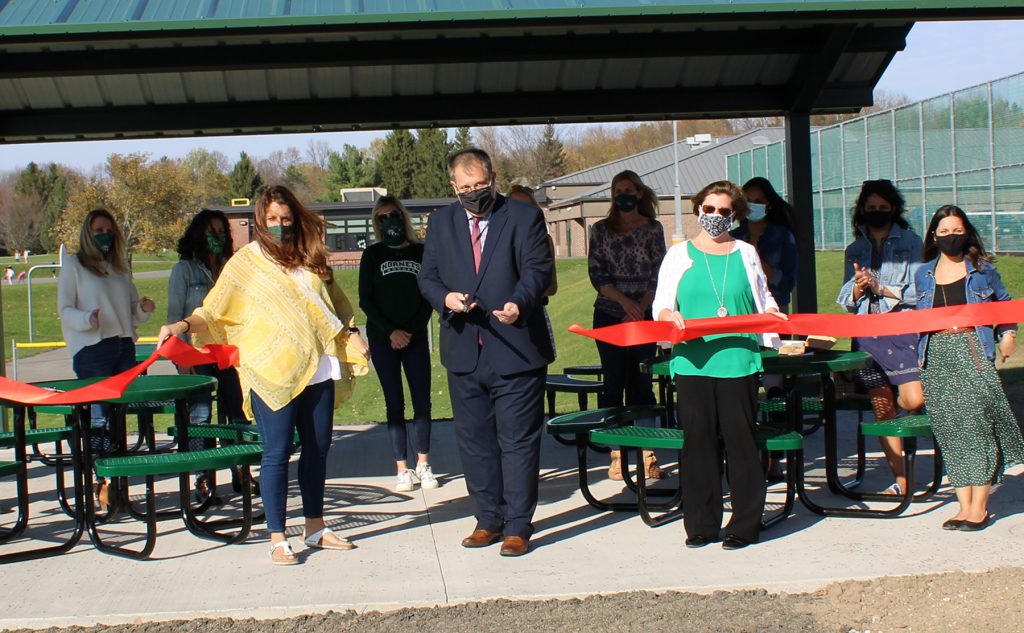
x: 278, y: 302
x: 100, y: 311
x: 626, y: 249
x: 396, y: 329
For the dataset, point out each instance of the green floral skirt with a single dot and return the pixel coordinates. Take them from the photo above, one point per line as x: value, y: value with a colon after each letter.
x: 971, y: 418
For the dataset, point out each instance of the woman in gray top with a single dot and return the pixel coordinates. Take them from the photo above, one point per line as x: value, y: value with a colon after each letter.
x: 203, y: 249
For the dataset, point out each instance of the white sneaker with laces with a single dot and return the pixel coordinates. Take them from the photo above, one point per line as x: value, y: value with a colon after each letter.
x: 405, y: 482
x: 426, y: 476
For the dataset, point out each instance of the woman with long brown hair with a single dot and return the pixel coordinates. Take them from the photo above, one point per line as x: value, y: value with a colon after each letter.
x: 626, y: 249
x: 277, y: 300
x: 972, y: 419
x: 100, y: 311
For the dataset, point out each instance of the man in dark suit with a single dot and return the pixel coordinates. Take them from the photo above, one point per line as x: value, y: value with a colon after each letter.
x: 486, y: 265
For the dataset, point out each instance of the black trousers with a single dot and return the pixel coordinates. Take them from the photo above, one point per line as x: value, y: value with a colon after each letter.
x: 499, y: 422
x: 621, y: 368
x: 716, y: 413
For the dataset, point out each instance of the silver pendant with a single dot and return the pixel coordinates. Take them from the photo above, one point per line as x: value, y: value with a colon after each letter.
x: 722, y: 311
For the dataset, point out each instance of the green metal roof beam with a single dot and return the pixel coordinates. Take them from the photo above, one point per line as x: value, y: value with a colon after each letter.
x: 20, y: 19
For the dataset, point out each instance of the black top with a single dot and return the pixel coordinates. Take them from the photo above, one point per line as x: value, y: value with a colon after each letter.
x: 952, y: 294
x: 388, y: 291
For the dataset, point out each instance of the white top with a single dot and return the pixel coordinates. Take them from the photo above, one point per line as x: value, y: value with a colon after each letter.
x: 677, y: 261
x: 81, y: 291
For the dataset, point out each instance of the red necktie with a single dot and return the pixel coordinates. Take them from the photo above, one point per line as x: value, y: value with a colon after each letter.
x: 477, y: 248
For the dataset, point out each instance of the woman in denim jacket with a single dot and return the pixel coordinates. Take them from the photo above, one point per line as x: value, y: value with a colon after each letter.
x: 203, y: 249
x: 971, y: 418
x: 879, y: 278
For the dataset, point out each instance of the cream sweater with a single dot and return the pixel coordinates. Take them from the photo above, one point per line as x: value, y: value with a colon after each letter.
x: 80, y: 291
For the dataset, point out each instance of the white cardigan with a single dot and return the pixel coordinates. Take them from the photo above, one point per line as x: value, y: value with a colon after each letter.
x: 677, y: 261
x: 80, y: 291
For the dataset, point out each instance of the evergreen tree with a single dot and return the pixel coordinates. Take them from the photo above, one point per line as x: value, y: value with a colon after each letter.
x: 47, y: 188
x: 244, y: 181
x: 551, y: 155
x: 397, y: 163
x: 351, y: 168
x: 463, y: 139
x: 430, y: 178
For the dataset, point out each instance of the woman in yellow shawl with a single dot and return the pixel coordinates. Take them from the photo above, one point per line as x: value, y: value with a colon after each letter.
x: 298, y: 350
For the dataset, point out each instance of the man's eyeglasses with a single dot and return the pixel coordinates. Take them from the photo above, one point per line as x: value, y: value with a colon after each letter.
x: 707, y: 208
x: 470, y: 188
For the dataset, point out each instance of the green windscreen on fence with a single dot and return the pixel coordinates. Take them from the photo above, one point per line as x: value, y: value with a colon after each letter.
x: 964, y: 148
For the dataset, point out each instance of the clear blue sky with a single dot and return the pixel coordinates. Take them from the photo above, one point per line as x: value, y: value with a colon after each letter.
x: 940, y: 57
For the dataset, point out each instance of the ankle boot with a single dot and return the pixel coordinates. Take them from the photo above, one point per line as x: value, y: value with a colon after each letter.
x: 651, y: 466
x: 615, y: 468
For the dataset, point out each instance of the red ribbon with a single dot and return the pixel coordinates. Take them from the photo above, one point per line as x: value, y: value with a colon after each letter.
x: 838, y: 325
x: 173, y: 349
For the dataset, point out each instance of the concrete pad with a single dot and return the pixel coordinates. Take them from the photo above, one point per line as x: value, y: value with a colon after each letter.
x: 409, y: 554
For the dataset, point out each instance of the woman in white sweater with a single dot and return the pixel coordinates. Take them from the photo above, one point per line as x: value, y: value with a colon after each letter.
x: 100, y: 310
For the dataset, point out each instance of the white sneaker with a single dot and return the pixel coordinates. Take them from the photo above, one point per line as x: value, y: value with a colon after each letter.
x: 426, y: 476
x: 405, y: 482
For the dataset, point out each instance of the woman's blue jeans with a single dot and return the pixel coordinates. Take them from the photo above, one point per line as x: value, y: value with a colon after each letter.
x: 311, y: 412
x: 388, y: 363
x: 108, y: 357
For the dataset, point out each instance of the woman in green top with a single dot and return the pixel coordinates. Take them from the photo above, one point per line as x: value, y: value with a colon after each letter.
x: 396, y: 325
x: 715, y: 275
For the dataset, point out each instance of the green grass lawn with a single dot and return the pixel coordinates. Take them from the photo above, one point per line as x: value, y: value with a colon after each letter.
x: 572, y: 304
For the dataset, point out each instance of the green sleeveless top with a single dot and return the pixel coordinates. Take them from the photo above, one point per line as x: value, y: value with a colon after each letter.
x: 717, y: 355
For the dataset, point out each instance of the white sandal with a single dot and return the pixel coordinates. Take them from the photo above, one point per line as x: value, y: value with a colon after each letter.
x: 316, y: 540
x: 289, y: 555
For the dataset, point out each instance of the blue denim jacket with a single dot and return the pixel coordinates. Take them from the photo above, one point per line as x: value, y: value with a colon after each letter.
x: 901, y: 254
x: 777, y: 248
x: 190, y: 281
x: 982, y: 286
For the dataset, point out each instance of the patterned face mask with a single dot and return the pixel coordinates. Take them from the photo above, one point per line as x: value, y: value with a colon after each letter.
x: 714, y: 224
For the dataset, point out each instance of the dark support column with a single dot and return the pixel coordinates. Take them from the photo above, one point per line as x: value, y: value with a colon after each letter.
x: 798, y: 175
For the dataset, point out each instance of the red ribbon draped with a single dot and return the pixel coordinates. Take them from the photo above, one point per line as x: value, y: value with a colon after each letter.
x: 173, y: 349
x: 838, y: 325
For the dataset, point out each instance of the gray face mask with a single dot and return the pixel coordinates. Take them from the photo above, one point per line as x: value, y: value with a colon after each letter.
x: 714, y: 224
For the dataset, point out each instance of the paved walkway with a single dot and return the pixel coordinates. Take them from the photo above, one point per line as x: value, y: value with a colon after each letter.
x: 409, y: 555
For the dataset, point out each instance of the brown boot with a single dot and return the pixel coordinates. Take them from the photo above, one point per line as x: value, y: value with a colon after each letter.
x: 651, y: 466
x: 615, y: 467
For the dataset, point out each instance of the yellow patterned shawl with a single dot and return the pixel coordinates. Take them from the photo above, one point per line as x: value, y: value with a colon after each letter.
x: 280, y: 327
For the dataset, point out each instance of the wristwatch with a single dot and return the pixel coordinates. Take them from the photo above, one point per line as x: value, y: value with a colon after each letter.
x: 353, y: 330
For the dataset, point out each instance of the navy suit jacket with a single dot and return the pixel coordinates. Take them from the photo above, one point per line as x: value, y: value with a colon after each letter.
x: 515, y: 266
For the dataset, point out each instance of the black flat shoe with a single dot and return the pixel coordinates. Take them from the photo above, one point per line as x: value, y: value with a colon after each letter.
x: 732, y: 542
x: 698, y: 541
x: 975, y: 526
x: 952, y: 524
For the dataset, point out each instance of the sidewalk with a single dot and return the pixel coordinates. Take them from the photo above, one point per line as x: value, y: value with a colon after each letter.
x: 409, y: 554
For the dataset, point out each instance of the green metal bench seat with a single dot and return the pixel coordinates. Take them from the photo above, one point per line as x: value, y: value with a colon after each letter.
x: 579, y: 425
x: 36, y: 436
x: 909, y: 428
x: 9, y: 468
x: 556, y: 383
x: 231, y: 432
x: 641, y: 438
x: 778, y: 405
x: 181, y: 463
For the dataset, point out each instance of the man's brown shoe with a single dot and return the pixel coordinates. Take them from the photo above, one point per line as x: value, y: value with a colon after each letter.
x: 481, y: 538
x: 515, y: 546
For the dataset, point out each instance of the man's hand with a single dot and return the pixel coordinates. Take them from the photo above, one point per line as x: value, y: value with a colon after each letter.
x: 458, y: 302
x: 508, y: 315
x: 399, y: 339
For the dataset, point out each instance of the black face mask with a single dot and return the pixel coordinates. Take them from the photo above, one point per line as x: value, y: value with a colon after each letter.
x: 478, y: 202
x: 878, y: 219
x: 626, y: 202
x: 952, y: 244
